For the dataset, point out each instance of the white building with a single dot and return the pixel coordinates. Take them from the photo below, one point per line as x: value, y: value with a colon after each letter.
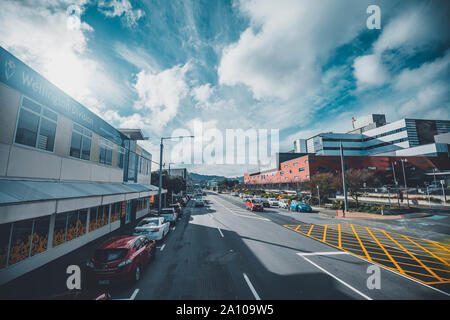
x: 372, y: 136
x: 66, y: 176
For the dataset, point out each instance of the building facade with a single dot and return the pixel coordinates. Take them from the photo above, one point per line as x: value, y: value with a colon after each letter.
x: 373, y: 136
x: 67, y: 177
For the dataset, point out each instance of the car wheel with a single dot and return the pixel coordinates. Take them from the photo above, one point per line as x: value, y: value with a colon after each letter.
x: 298, y: 210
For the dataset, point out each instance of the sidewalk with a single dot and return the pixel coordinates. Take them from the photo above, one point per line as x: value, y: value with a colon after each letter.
x: 337, y: 214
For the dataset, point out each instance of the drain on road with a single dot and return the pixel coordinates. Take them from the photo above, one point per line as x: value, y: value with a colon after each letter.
x: 423, y: 260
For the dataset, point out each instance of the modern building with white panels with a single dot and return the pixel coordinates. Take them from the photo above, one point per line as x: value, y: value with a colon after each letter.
x: 67, y: 177
x: 373, y: 136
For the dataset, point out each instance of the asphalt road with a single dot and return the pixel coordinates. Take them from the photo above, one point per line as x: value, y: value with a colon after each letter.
x: 222, y: 251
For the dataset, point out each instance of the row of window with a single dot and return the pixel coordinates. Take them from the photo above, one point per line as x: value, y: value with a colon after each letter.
x: 36, y: 128
x: 23, y: 239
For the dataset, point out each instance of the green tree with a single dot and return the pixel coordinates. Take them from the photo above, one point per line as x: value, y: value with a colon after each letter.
x: 328, y: 184
x: 354, y: 179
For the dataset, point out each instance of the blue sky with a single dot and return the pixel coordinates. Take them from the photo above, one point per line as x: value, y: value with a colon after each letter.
x: 302, y: 67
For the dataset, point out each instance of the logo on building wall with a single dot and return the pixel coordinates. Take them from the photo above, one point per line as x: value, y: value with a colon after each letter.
x: 10, y: 69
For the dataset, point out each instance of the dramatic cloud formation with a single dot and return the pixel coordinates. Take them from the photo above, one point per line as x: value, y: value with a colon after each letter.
x: 122, y: 9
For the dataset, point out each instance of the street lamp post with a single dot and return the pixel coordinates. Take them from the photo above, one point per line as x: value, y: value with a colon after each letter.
x: 343, y: 180
x: 404, y: 178
x: 318, y: 193
x: 160, y: 166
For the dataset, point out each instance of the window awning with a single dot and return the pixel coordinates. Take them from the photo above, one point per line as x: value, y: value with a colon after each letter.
x: 17, y: 191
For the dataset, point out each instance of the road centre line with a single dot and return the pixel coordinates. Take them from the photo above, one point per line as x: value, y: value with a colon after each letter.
x: 336, y: 278
x: 252, y: 289
x: 322, y: 253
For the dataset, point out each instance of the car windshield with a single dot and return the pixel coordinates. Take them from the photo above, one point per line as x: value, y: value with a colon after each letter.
x: 107, y: 255
x: 256, y: 201
x: 148, y: 223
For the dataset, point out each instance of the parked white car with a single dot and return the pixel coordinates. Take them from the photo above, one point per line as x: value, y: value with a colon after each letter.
x: 273, y: 202
x: 169, y: 214
x: 152, y: 228
x: 283, y: 203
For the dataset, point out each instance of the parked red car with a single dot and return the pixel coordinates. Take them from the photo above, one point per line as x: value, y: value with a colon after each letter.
x: 120, y: 259
x: 254, y: 205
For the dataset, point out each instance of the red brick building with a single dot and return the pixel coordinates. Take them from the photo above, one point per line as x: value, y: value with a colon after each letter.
x: 302, y: 168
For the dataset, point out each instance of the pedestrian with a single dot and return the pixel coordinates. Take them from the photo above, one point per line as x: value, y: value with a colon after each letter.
x: 401, y: 196
x: 343, y: 208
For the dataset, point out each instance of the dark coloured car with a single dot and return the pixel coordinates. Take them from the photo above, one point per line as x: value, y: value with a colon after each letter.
x: 120, y: 259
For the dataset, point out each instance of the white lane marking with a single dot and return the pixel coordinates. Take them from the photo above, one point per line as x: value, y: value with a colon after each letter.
x: 134, y: 294
x: 255, y: 294
x: 173, y: 228
x: 220, y: 232
x: 322, y: 253
x: 333, y: 276
x: 162, y: 247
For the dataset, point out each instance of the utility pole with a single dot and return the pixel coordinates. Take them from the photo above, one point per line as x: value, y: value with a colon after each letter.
x: 160, y: 166
x: 404, y: 177
x: 343, y: 180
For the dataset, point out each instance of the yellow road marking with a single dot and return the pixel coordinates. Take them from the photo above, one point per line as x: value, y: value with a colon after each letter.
x: 427, y: 251
x: 312, y: 226
x: 339, y: 231
x: 420, y: 262
x: 362, y: 246
x: 387, y: 253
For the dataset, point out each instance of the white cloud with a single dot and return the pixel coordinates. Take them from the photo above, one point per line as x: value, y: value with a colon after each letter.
x: 368, y: 70
x: 160, y: 93
x: 281, y: 54
x: 426, y: 73
x: 414, y: 29
x: 43, y: 35
x: 123, y: 9
x: 202, y: 93
x: 432, y: 97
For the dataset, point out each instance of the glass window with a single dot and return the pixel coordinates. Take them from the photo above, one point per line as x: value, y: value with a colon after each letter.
x: 59, y: 233
x: 5, y: 230
x: 47, y: 133
x: 75, y: 146
x: 81, y: 143
x: 40, y: 235
x: 116, y: 211
x: 72, y: 218
x: 36, y: 126
x: 120, y: 157
x: 93, y: 219
x: 81, y: 223
x: 20, y: 241
x: 27, y: 128
x: 105, y: 155
x: 86, y: 149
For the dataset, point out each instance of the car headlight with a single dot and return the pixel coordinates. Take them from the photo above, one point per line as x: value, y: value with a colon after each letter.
x: 89, y: 264
x: 124, y: 263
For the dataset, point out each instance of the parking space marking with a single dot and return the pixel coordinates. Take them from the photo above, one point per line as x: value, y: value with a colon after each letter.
x: 220, y: 231
x: 162, y: 247
x: 252, y: 289
x: 421, y: 260
x: 134, y: 294
x: 336, y: 278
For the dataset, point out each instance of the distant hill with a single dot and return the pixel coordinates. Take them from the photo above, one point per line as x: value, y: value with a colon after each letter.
x: 204, y: 178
